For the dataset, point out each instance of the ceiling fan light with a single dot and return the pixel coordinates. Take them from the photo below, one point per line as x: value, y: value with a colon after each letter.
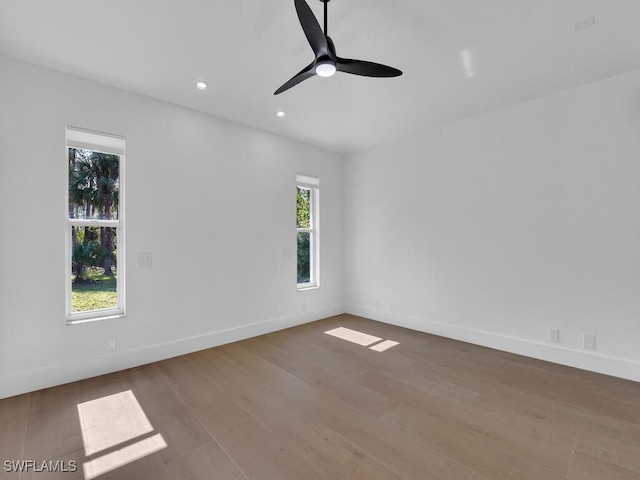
x: 326, y: 69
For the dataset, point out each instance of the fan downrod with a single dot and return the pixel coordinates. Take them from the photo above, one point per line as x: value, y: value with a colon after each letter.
x: 325, y: 15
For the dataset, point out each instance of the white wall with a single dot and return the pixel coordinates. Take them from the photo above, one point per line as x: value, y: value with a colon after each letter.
x: 495, y: 228
x: 213, y: 201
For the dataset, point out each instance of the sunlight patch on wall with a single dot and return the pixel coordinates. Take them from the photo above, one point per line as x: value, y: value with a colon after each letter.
x: 360, y: 338
x: 118, y: 425
x: 467, y: 63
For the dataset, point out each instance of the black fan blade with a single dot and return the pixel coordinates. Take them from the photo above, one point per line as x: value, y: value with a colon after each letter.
x: 332, y: 49
x: 306, y: 72
x: 366, y: 69
x: 311, y: 28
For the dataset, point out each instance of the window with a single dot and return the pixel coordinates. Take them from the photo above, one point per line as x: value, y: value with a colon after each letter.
x: 307, y: 195
x: 95, y: 226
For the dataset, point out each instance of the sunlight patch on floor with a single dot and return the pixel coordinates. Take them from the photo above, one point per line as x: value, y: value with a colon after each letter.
x: 123, y: 456
x: 116, y: 423
x: 364, y: 339
x: 382, y: 346
x: 110, y: 421
x: 353, y: 336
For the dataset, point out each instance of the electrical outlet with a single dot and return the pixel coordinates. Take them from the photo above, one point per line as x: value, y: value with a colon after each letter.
x: 112, y: 344
x: 378, y: 303
x: 589, y: 341
x: 554, y: 335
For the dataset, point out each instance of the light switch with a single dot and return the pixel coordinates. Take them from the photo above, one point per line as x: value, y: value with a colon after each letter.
x: 144, y: 259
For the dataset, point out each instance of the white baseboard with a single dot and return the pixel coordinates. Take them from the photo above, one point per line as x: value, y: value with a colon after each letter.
x: 59, y: 374
x: 52, y: 375
x: 585, y: 360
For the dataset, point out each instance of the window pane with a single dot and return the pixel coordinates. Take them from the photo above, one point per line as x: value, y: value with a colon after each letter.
x: 303, y: 208
x: 304, y: 257
x: 93, y: 184
x: 94, y: 269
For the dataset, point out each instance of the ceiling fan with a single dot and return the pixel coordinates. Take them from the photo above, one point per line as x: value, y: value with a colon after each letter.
x: 327, y: 62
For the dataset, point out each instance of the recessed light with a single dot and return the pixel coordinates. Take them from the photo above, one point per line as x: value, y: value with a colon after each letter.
x: 279, y: 114
x: 201, y: 85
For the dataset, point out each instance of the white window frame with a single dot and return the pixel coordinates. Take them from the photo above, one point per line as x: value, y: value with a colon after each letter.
x: 110, y: 144
x: 313, y: 184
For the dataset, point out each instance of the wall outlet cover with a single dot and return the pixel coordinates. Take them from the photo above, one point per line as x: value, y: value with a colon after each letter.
x: 589, y: 341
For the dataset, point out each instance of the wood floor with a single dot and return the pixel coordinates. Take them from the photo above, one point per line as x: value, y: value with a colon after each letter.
x: 301, y: 404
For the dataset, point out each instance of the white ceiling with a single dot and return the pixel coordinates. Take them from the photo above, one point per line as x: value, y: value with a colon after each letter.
x: 516, y: 50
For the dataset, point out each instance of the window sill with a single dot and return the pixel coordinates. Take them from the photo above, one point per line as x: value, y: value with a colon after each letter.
x: 303, y: 288
x: 107, y: 315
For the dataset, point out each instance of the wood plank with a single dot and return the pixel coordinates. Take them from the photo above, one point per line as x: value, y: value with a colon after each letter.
x: 191, y: 386
x: 98, y: 387
x: 255, y: 449
x: 325, y: 449
x: 151, y: 388
x: 399, y: 452
x: 12, y: 438
x: 54, y: 399
x: 587, y: 467
x: 233, y: 428
x: 261, y: 370
x: 53, y: 433
x: 479, y: 447
x: 150, y: 466
x: 204, y: 463
x: 340, y: 384
x: 181, y: 430
x: 14, y: 414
